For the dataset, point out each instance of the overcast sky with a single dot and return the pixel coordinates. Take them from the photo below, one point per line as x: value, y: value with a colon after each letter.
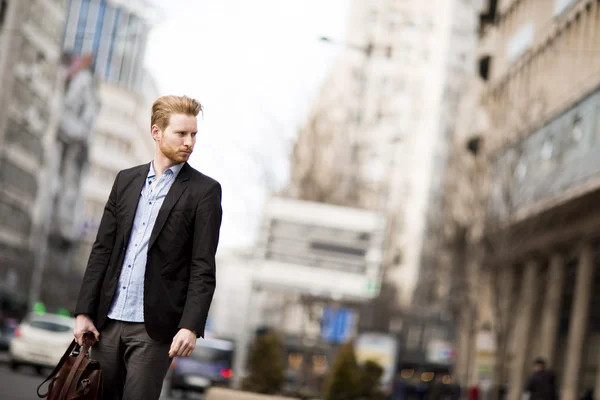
x: 255, y: 66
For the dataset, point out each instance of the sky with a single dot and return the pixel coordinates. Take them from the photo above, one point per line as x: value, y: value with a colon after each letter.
x: 255, y: 66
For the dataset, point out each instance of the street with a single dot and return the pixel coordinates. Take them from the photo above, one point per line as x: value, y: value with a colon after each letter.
x: 22, y: 385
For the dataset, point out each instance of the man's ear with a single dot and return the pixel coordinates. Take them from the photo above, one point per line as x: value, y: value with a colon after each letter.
x: 156, y: 132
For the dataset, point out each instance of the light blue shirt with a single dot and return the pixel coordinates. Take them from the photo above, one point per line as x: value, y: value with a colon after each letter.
x: 128, y: 303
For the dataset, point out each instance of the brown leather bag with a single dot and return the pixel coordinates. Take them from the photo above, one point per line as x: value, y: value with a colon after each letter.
x: 76, y: 376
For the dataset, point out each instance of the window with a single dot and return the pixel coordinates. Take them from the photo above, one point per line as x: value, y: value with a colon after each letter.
x: 560, y: 6
x: 521, y: 171
x: 373, y: 16
x: 547, y: 149
x: 15, y: 218
x: 13, y: 176
x: 520, y: 42
x: 3, y: 8
x: 597, y: 138
x: 44, y: 21
x: 50, y: 326
x: 577, y: 130
x: 24, y: 138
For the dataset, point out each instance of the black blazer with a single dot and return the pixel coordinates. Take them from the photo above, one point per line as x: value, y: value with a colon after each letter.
x: 180, y: 270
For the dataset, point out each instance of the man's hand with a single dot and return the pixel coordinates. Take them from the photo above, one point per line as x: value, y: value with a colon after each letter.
x: 183, y: 343
x: 84, y: 324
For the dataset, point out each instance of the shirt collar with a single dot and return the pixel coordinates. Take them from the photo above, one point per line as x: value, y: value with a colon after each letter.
x: 175, y: 169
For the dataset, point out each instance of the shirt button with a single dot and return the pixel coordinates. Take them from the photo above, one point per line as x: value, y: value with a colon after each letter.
x: 123, y: 287
x: 149, y: 202
x: 129, y: 266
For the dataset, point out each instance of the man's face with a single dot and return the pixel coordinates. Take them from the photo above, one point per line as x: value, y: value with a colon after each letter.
x: 177, y: 140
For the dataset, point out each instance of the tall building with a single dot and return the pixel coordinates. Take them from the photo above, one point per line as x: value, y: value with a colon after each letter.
x: 115, y: 34
x: 32, y: 80
x: 378, y: 136
x: 533, y: 169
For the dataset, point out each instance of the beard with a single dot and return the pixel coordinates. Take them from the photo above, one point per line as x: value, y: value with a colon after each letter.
x: 174, y: 155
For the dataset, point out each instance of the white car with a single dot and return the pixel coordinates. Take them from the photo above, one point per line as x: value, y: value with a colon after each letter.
x: 40, y: 341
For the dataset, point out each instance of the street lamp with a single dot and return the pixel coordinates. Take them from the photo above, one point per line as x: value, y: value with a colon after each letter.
x: 367, y: 50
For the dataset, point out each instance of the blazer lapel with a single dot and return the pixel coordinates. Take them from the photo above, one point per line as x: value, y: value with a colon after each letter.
x: 175, y: 192
x: 132, y: 199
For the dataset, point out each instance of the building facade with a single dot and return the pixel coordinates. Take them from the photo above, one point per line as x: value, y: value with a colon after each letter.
x: 115, y: 32
x: 32, y: 77
x: 533, y: 165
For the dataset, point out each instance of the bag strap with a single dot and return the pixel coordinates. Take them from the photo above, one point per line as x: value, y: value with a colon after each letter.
x: 57, y: 368
x: 87, y: 344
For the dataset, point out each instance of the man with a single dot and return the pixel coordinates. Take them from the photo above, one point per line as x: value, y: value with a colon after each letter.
x: 542, y: 383
x: 150, y: 277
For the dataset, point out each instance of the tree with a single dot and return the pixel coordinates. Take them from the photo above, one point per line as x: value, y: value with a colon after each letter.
x: 505, y: 230
x: 317, y: 164
x: 487, y: 226
x: 371, y: 374
x: 265, y: 365
x: 344, y: 380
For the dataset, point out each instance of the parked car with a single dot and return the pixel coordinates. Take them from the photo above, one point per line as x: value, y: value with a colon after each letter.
x: 13, y: 308
x: 40, y: 341
x: 209, y: 365
x: 7, y: 332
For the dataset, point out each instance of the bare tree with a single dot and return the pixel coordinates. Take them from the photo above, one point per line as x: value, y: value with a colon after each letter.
x: 504, y: 231
x: 316, y: 168
x: 485, y: 228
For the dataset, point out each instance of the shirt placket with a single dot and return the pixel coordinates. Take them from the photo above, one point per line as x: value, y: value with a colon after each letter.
x: 148, y: 199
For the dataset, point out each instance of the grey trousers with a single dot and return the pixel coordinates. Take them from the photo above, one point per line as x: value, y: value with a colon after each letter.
x: 133, y: 365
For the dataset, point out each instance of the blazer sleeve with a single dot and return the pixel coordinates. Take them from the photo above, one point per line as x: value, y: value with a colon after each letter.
x: 87, y: 302
x: 202, y: 282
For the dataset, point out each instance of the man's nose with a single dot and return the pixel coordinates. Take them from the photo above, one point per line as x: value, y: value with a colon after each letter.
x: 188, y: 141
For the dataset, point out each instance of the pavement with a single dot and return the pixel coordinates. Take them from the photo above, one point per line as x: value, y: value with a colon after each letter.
x: 22, y: 384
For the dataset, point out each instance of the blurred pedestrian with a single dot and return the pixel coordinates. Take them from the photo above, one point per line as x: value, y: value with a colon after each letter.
x: 542, y: 383
x: 437, y: 389
x: 473, y: 393
x: 150, y: 277
x: 399, y: 390
x: 588, y: 394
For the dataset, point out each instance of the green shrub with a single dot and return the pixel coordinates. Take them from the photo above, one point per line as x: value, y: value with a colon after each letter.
x: 344, y: 380
x: 265, y: 366
x: 371, y: 373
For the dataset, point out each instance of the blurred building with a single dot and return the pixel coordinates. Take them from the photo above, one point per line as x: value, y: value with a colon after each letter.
x: 56, y: 237
x: 115, y: 33
x: 378, y: 137
x: 230, y: 300
x: 531, y: 172
x: 32, y: 80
